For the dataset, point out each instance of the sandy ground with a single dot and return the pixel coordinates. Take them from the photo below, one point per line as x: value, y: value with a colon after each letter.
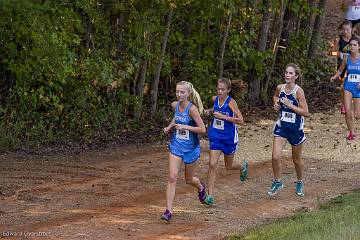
x: 120, y: 193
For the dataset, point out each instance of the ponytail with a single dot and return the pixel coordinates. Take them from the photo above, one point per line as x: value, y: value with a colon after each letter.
x: 194, y: 96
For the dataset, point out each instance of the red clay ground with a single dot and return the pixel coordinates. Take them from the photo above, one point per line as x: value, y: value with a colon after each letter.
x: 120, y: 193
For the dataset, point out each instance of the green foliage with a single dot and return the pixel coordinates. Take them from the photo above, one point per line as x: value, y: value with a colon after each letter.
x: 77, y: 63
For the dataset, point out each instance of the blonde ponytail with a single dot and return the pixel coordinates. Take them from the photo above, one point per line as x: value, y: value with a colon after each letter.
x: 194, y: 96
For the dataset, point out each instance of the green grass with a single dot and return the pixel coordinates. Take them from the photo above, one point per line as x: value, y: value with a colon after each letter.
x: 339, y: 219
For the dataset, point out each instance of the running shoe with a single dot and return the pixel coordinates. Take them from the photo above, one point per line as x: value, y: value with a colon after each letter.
x: 202, y: 194
x: 244, y: 171
x: 275, y: 187
x: 166, y: 215
x: 299, y: 188
x: 351, y: 136
x: 209, y: 200
x: 342, y: 109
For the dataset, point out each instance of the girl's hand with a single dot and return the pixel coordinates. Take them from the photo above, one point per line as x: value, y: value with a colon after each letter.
x: 167, y: 130
x: 286, y: 102
x: 277, y: 106
x: 208, y: 112
x: 180, y: 126
x: 333, y: 78
x: 219, y: 115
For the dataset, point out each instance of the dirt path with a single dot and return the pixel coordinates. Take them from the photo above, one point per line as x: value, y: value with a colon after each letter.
x: 120, y: 193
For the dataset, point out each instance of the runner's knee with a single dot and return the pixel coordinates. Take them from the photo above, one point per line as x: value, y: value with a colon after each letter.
x: 172, y: 178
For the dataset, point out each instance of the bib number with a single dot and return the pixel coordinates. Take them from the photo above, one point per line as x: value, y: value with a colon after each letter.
x: 354, y: 78
x: 182, y: 134
x: 288, y: 117
x: 218, y: 124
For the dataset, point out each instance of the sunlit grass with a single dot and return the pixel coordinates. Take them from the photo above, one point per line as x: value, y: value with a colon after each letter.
x: 339, y: 219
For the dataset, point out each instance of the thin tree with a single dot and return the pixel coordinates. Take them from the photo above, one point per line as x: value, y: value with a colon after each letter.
x: 316, y: 34
x: 223, y: 44
x: 155, y: 83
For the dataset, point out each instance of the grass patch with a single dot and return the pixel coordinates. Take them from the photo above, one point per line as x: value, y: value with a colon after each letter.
x: 338, y: 219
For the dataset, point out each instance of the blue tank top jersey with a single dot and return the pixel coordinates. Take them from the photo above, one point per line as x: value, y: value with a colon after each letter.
x: 222, y: 129
x: 184, y: 140
x: 288, y: 119
x: 353, y: 72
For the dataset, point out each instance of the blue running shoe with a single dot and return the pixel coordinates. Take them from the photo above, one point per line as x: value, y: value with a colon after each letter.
x: 299, y: 188
x: 166, y: 215
x: 275, y: 187
x: 244, y: 171
x: 209, y: 200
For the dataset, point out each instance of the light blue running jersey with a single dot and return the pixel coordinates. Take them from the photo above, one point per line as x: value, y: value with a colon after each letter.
x: 288, y: 119
x: 184, y: 140
x: 220, y: 128
x: 353, y: 77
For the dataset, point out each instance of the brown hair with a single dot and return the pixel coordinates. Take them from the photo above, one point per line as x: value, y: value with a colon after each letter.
x: 297, y: 70
x: 225, y: 81
x: 344, y: 23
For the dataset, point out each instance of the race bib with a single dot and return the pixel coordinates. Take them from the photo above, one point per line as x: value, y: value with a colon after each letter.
x: 218, y: 124
x: 182, y: 134
x: 288, y: 117
x: 354, y: 78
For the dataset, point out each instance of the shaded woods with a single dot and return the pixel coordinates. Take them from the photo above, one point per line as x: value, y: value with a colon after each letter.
x: 94, y: 70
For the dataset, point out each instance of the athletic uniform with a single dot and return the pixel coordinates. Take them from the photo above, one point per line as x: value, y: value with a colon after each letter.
x: 290, y: 125
x: 223, y: 135
x: 184, y: 143
x: 353, y: 13
x: 344, y: 48
x: 352, y: 80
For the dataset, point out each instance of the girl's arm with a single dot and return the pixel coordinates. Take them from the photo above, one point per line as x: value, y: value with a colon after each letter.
x: 341, y: 69
x: 276, y: 98
x: 210, y: 110
x: 172, y: 123
x: 238, y: 118
x: 302, y: 109
x: 194, y: 114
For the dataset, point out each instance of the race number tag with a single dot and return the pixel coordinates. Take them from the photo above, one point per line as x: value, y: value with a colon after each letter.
x: 288, y: 117
x: 218, y: 124
x: 182, y: 134
x: 354, y: 78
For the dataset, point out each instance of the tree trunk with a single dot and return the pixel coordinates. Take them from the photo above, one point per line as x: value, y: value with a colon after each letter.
x: 254, y: 80
x: 315, y: 37
x: 276, y: 47
x: 155, y: 83
x: 140, y: 88
x: 223, y: 46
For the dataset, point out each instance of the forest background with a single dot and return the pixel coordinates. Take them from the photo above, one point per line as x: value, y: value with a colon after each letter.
x: 88, y: 72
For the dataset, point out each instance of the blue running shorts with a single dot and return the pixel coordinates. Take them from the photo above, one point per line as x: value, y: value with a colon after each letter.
x: 294, y: 137
x: 353, y: 88
x: 187, y: 157
x: 226, y: 147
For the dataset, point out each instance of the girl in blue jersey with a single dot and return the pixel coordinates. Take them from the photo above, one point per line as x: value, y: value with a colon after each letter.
x: 184, y: 146
x: 223, y: 134
x: 351, y: 63
x: 289, y: 101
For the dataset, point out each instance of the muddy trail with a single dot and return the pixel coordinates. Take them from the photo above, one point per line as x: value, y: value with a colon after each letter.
x: 120, y: 193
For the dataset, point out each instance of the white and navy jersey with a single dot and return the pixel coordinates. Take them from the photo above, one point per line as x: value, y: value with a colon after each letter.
x: 220, y: 128
x: 353, y: 71
x: 289, y: 119
x: 184, y: 139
